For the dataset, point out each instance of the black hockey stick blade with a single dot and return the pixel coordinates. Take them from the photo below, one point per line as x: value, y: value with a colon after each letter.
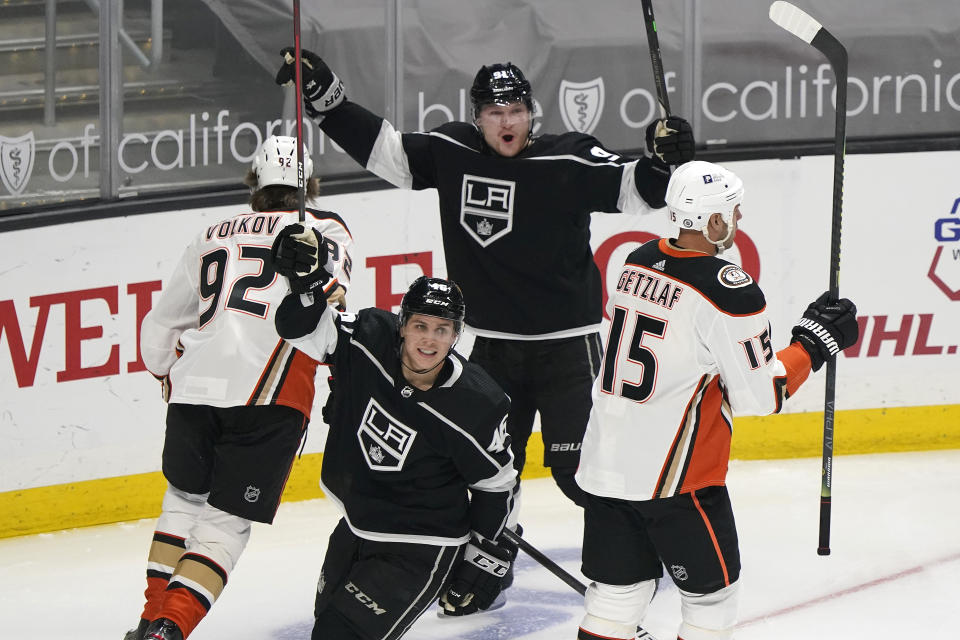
x: 301, y: 179
x: 544, y: 561
x: 800, y: 24
x: 656, y: 60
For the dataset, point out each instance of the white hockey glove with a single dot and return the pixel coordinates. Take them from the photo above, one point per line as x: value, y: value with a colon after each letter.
x: 671, y: 140
x: 322, y: 89
x: 302, y: 256
x: 479, y: 578
x: 827, y: 328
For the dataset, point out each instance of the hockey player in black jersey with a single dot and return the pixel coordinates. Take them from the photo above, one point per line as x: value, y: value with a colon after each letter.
x: 417, y: 459
x: 690, y: 346
x: 515, y: 218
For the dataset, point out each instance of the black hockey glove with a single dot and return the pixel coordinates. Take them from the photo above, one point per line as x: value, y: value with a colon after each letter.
x: 301, y: 256
x: 827, y: 328
x: 294, y: 320
x: 322, y: 89
x: 671, y: 140
x: 479, y: 578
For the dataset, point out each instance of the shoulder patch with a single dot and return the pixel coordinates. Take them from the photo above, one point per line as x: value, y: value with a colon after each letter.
x: 733, y: 277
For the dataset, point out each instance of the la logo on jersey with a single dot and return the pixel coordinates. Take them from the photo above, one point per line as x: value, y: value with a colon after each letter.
x: 384, y: 440
x: 486, y: 207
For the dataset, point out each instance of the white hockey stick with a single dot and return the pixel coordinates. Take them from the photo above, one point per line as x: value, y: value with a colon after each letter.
x: 812, y: 32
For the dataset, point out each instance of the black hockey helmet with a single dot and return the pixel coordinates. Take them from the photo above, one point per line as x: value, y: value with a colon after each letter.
x: 500, y: 83
x: 434, y: 297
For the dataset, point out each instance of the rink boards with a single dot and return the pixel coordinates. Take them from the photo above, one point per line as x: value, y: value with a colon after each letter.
x: 82, y: 422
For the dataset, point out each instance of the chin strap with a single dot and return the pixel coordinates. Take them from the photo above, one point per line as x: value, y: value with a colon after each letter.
x: 422, y: 371
x: 719, y: 243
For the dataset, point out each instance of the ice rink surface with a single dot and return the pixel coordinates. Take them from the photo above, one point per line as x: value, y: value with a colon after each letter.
x: 895, y: 542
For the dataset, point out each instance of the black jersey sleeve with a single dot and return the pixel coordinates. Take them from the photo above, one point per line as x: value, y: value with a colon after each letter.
x: 612, y: 182
x: 481, y: 452
x: 651, y: 180
x: 404, y: 160
x: 355, y: 128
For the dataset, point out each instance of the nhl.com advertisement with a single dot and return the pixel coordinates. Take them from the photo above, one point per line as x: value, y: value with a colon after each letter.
x: 801, y: 97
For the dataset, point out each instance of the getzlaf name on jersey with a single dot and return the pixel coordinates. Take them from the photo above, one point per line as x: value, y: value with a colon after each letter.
x: 398, y: 460
x: 685, y: 305
x: 524, y: 219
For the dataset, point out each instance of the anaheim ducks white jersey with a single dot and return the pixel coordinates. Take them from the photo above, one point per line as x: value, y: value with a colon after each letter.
x: 212, y: 328
x: 689, y: 345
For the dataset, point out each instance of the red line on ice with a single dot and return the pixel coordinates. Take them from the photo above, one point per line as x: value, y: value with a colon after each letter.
x: 854, y: 589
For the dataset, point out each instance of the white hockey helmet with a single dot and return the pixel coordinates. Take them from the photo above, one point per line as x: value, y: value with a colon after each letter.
x: 697, y: 190
x: 276, y: 162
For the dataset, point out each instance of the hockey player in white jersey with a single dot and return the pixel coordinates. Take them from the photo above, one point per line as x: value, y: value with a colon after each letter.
x: 417, y: 459
x: 239, y: 396
x: 689, y: 346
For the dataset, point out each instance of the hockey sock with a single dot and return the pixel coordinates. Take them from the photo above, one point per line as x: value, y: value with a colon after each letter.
x: 165, y: 552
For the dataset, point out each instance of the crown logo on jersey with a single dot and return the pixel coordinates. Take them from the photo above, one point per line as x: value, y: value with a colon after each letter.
x: 376, y: 454
x: 660, y: 266
x: 484, y: 227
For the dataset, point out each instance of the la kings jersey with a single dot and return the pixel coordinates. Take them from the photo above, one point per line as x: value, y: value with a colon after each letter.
x: 516, y: 231
x: 212, y: 329
x: 689, y: 346
x: 399, y: 461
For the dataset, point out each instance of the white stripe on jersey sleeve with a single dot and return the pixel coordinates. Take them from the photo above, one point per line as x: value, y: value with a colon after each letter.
x: 630, y: 200
x: 322, y: 340
x: 476, y: 444
x: 388, y: 159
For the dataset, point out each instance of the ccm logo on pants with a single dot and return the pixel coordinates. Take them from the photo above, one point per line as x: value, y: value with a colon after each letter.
x: 364, y: 598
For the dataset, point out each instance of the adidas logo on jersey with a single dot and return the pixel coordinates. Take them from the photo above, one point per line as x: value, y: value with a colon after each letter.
x: 660, y: 266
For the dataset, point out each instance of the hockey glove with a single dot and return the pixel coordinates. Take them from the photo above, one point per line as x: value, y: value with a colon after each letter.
x: 301, y: 255
x: 827, y: 328
x: 671, y: 140
x: 478, y: 579
x: 322, y: 89
x: 295, y: 320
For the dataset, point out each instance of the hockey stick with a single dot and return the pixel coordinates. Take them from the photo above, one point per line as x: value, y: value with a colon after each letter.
x: 809, y: 30
x: 653, y: 42
x: 544, y: 561
x: 298, y: 79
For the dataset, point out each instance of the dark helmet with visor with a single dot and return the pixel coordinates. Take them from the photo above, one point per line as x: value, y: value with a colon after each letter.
x: 502, y: 84
x: 434, y: 297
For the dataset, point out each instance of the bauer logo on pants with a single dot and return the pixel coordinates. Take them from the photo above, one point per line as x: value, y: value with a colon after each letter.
x: 486, y: 207
x: 384, y: 440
